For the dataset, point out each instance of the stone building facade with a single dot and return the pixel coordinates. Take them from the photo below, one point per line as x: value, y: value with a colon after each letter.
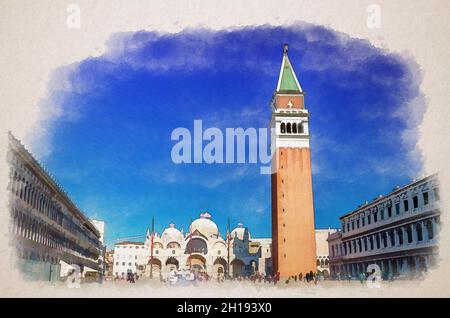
x: 322, y: 252
x: 48, y: 231
x: 398, y: 232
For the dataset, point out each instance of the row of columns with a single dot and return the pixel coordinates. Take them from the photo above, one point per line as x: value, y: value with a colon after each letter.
x: 35, y: 197
x: 26, y: 226
x: 391, y: 267
x: 413, y: 233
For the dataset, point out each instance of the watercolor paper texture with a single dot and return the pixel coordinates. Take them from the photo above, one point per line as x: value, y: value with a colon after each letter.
x: 97, y: 91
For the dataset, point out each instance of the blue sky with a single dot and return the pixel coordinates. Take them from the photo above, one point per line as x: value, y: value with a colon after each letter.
x: 110, y: 143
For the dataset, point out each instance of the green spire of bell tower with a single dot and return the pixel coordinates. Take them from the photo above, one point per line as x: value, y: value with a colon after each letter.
x: 287, y: 81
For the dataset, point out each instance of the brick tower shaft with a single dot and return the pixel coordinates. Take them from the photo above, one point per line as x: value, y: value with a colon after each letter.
x: 293, y: 236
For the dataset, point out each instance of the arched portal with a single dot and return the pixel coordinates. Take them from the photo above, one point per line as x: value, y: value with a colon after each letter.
x: 197, y: 263
x: 237, y: 267
x: 253, y: 266
x: 172, y: 264
x: 219, y: 267
x: 154, y: 267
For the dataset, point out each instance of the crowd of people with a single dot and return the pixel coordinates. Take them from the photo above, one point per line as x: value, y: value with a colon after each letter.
x: 311, y: 277
x: 130, y: 277
x: 176, y: 277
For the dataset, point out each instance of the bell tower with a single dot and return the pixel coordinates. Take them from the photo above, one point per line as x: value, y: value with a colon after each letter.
x: 293, y: 234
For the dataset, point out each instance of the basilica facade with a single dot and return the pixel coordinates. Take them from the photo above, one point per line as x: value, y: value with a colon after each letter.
x: 201, y: 249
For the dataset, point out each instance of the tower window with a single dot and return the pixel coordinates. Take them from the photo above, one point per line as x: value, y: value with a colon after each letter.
x: 283, y: 128
x: 294, y: 128
x: 300, y: 128
x: 288, y: 128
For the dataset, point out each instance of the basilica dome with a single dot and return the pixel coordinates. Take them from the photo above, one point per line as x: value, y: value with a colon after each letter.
x: 205, y: 226
x: 172, y: 234
x: 239, y: 232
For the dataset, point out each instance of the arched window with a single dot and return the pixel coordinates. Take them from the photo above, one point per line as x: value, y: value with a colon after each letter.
x: 288, y: 128
x: 157, y: 245
x: 384, y: 238
x: 294, y: 128
x: 429, y: 226
x: 409, y: 233
x: 283, y: 128
x: 392, y: 237
x: 196, y: 245
x: 300, y: 128
x: 400, y: 236
x: 318, y: 263
x: 419, y: 232
x: 21, y: 195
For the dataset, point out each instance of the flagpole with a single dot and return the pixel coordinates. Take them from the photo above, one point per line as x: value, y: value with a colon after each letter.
x: 228, y: 250
x: 190, y: 247
x: 151, y: 248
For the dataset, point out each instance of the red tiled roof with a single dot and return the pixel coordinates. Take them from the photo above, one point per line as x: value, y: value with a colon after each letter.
x: 130, y: 243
